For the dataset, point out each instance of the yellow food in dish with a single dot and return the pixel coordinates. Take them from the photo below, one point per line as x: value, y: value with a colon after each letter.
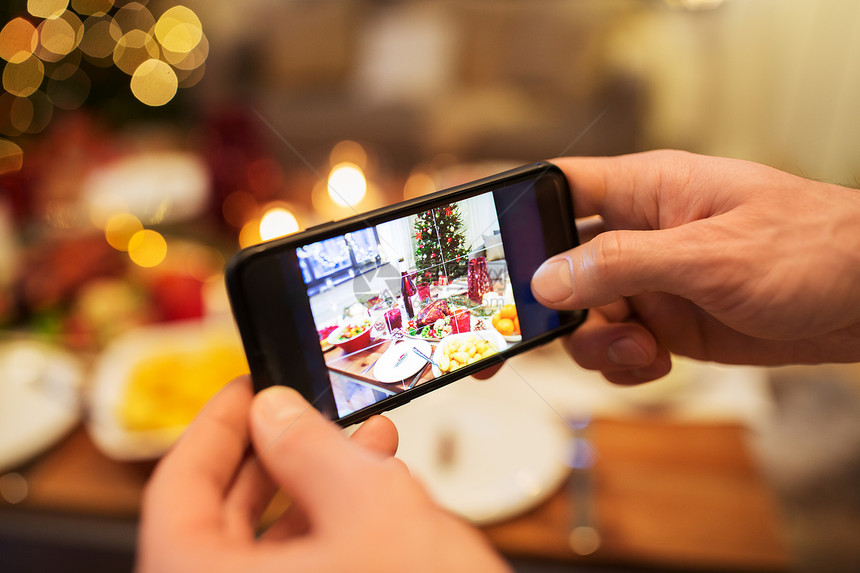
x: 458, y: 353
x: 167, y: 389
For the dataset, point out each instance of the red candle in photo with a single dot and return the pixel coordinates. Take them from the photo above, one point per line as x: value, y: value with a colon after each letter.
x: 462, y: 321
x: 394, y: 319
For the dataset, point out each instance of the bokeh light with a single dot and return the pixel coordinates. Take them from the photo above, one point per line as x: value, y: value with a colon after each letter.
x: 277, y: 222
x: 190, y: 60
x: 11, y: 157
x: 49, y: 9
x: 24, y: 78
x: 71, y: 92
x: 348, y: 151
x: 238, y: 207
x: 16, y: 40
x: 133, y: 49
x: 154, y: 83
x: 101, y: 33
x: 179, y: 30
x: 92, y: 7
x: 147, y: 248
x: 346, y: 184
x: 250, y: 234
x: 6, y: 126
x: 59, y: 36
x: 160, y: 55
x: 65, y: 68
x: 38, y: 107
x: 134, y: 16
x: 190, y: 78
x: 120, y: 228
x: 21, y: 114
x: 418, y: 184
x: 266, y: 177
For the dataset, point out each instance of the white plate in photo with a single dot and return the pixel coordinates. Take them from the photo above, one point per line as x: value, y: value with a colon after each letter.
x: 399, y: 361
x: 491, y: 336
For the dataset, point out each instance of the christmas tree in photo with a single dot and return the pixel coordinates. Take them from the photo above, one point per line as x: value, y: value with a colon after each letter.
x: 448, y: 245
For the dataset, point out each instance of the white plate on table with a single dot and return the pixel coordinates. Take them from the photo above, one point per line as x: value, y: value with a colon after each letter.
x: 387, y: 369
x: 489, y: 335
x: 115, y: 369
x: 482, y: 458
x: 39, y: 398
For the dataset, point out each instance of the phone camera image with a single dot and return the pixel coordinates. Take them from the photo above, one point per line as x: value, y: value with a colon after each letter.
x: 409, y: 300
x: 364, y: 314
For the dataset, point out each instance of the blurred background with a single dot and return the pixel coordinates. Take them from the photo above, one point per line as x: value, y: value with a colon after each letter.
x: 143, y: 143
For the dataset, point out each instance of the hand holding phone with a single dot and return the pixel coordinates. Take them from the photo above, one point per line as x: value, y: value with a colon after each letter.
x: 365, y: 314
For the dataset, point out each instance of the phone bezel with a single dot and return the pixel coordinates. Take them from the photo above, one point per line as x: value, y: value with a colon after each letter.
x: 236, y: 267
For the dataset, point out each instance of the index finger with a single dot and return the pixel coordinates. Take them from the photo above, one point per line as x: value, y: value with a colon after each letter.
x: 627, y: 190
x: 196, y: 474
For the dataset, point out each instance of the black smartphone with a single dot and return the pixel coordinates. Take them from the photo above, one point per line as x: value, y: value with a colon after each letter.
x: 365, y: 314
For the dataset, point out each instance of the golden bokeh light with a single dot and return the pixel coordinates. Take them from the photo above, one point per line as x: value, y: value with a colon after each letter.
x: 6, y: 126
x: 154, y: 83
x: 134, y: 49
x: 101, y: 33
x: 37, y: 110
x: 16, y: 40
x: 11, y: 157
x: 278, y: 222
x: 120, y: 228
x: 49, y: 9
x: 24, y: 78
x: 65, y: 68
x: 179, y: 30
x: 190, y: 78
x: 61, y: 35
x: 134, y: 16
x: 147, y: 248
x: 21, y: 114
x: 418, y: 184
x: 348, y: 151
x: 188, y: 60
x: 238, y: 207
x: 92, y: 7
x: 346, y: 184
x: 71, y: 92
x: 250, y: 234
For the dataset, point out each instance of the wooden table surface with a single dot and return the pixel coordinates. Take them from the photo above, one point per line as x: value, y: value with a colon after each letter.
x: 666, y: 495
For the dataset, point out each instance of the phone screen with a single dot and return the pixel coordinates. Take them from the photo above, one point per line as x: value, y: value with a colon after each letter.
x: 396, y: 304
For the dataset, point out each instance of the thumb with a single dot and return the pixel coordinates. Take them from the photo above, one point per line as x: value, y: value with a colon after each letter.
x: 615, y: 264
x: 303, y: 452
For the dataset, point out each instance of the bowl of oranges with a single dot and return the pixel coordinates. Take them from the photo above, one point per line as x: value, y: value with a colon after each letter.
x: 506, y: 323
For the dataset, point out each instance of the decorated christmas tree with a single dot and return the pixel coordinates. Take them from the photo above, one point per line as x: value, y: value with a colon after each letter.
x: 441, y: 248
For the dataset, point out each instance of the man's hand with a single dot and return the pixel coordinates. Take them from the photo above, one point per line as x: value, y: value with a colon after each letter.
x: 716, y: 259
x: 355, y: 507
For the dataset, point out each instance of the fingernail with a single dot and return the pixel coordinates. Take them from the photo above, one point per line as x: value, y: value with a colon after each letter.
x: 278, y: 403
x: 627, y: 352
x: 552, y: 281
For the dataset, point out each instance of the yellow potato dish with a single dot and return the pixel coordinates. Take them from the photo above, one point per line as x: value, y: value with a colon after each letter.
x: 168, y: 389
x: 458, y: 353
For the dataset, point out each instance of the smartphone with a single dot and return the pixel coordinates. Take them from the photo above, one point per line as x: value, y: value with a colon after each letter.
x: 366, y: 314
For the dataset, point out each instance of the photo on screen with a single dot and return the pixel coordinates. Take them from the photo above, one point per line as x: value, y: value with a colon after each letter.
x: 409, y: 300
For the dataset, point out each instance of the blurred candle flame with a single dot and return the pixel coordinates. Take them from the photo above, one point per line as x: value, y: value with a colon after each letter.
x: 347, y: 185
